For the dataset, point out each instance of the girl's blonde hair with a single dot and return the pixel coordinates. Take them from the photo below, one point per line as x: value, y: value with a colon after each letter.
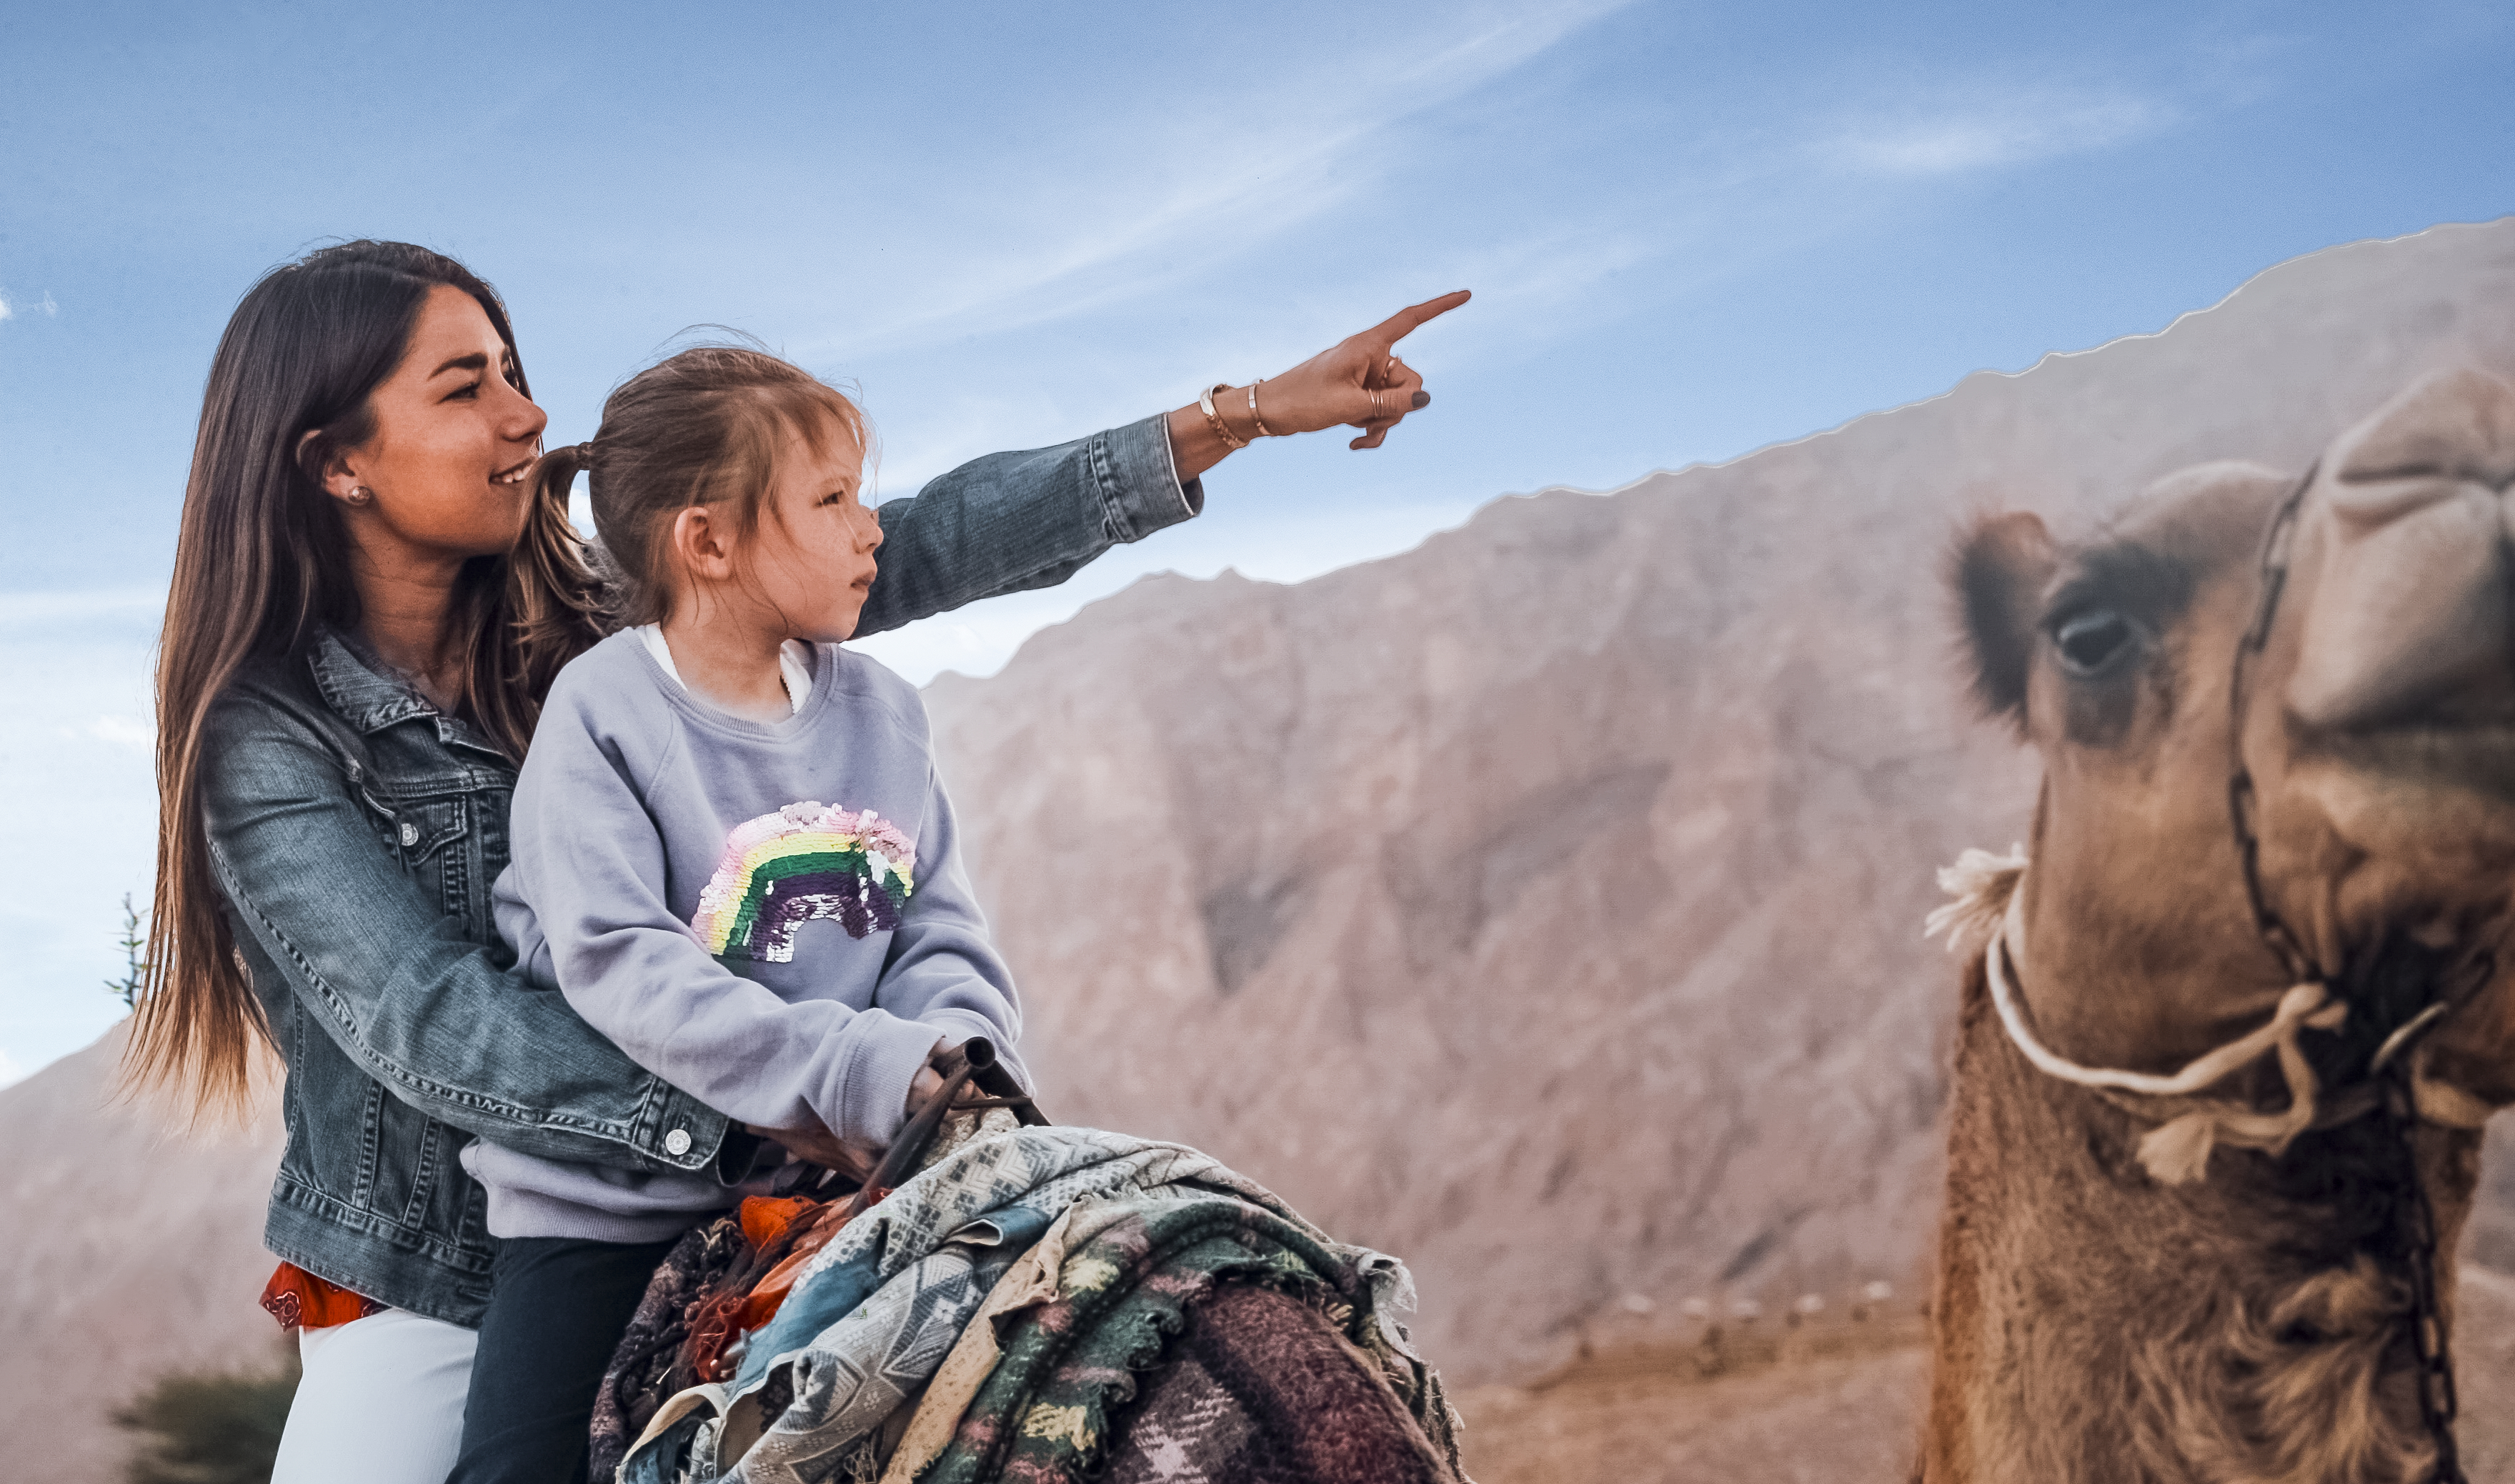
x: 703, y: 428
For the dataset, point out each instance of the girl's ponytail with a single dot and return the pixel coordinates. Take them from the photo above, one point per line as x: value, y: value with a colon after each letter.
x: 555, y: 601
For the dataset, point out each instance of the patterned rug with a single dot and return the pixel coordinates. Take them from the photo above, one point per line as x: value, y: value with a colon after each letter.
x: 1144, y: 1232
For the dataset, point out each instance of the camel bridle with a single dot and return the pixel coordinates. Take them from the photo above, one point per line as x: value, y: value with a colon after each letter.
x: 2389, y: 1068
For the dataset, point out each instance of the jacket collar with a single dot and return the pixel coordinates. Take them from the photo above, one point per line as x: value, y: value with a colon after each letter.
x: 366, y: 700
x: 370, y: 701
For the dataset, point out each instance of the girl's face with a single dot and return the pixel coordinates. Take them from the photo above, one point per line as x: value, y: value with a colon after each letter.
x: 813, y: 561
x: 454, y: 440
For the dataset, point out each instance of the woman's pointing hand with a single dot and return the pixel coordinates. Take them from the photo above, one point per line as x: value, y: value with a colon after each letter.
x: 1359, y: 381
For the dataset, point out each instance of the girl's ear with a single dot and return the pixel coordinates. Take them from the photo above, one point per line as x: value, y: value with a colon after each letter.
x: 702, y: 546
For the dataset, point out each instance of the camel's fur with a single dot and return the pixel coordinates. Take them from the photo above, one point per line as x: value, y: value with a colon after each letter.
x: 2090, y: 1323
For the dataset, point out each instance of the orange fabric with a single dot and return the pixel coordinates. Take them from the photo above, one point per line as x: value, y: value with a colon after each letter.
x: 807, y: 1226
x: 299, y: 1299
x: 765, y: 1218
x: 769, y: 1292
x: 766, y: 1223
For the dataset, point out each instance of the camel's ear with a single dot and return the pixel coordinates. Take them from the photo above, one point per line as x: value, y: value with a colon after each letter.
x: 1999, y: 569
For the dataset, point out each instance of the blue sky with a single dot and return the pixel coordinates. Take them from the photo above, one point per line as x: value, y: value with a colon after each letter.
x: 1692, y: 230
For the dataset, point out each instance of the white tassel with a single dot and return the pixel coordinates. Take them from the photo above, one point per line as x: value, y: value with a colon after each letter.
x: 2446, y: 1105
x: 2177, y: 1153
x: 1980, y: 884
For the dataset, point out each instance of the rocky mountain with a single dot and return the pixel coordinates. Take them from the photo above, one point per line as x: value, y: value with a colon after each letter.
x: 1541, y: 905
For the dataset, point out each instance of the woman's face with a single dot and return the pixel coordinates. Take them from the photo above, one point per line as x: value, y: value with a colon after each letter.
x: 454, y: 440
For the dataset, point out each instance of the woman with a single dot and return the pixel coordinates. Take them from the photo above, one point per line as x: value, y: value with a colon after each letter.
x: 365, y: 614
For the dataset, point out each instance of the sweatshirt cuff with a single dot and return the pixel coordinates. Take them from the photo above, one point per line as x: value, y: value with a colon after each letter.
x: 873, y: 1088
x: 1140, y: 491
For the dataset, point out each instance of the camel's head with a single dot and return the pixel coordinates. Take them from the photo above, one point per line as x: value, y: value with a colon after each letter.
x: 2378, y: 729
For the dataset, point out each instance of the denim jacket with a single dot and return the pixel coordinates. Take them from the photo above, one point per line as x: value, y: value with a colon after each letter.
x: 355, y: 833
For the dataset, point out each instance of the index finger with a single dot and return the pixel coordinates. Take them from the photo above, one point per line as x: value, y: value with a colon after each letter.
x: 1406, y: 321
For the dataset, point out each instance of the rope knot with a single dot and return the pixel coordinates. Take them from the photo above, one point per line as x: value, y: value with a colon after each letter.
x: 1988, y: 903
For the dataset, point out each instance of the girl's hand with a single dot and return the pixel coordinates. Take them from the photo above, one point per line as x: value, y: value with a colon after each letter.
x: 1358, y: 381
x: 923, y: 1088
x: 857, y: 1162
x: 818, y: 1145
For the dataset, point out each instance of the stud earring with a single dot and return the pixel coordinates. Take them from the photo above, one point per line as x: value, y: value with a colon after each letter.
x: 359, y: 494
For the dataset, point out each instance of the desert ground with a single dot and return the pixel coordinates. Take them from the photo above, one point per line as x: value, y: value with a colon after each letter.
x: 1836, y: 1404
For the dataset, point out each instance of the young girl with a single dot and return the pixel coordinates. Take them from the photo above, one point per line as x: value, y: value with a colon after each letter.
x: 730, y: 853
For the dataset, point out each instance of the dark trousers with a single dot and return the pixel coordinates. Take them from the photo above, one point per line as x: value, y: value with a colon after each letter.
x: 556, y: 1310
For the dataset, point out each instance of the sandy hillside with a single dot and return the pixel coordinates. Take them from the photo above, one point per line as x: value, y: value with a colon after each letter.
x: 137, y: 1251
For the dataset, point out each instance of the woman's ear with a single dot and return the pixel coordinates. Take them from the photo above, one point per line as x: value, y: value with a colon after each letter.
x: 333, y: 474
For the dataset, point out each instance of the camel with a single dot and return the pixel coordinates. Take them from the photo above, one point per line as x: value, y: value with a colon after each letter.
x: 2277, y: 823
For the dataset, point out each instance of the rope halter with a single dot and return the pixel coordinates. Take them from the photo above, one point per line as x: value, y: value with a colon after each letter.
x: 1985, y: 902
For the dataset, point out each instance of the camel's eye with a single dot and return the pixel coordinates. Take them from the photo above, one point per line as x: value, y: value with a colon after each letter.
x: 2092, y: 639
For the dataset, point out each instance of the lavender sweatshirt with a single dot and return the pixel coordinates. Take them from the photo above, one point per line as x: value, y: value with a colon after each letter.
x: 773, y: 918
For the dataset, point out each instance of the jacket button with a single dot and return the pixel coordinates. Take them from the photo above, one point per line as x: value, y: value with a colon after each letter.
x: 409, y: 836
x: 678, y: 1143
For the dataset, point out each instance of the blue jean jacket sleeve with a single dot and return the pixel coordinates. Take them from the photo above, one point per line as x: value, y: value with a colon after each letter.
x: 389, y: 976
x: 1013, y: 521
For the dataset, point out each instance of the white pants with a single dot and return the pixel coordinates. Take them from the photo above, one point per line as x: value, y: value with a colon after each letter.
x: 380, y: 1403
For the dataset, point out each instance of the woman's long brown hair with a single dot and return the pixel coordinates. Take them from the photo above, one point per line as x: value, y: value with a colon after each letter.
x: 262, y: 565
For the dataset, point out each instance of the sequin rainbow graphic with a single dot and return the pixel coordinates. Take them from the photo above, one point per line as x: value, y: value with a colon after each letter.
x: 803, y: 863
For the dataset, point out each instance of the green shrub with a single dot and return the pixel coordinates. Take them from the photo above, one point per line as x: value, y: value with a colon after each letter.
x: 209, y: 1426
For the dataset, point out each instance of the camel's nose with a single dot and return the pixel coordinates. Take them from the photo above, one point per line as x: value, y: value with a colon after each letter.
x: 2413, y: 614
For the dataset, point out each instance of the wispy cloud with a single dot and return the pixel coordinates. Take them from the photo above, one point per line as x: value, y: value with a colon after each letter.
x: 1547, y: 271
x: 1953, y: 139
x: 1223, y: 190
x: 45, y: 307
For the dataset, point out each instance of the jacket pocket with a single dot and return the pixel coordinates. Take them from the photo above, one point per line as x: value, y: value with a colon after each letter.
x: 430, y: 836
x: 417, y: 830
